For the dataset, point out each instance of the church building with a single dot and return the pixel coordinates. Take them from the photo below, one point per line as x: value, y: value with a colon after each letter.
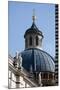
x: 32, y: 67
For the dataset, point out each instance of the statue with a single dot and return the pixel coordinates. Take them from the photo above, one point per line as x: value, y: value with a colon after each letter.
x: 20, y: 61
x: 16, y: 60
x: 17, y: 55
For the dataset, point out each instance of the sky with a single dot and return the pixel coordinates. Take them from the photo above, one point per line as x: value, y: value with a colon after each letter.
x: 20, y: 19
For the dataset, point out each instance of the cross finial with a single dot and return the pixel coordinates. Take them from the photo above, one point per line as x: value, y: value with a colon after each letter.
x: 33, y: 17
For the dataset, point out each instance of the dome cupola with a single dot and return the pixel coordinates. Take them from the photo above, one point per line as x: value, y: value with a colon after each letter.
x: 39, y: 60
x: 33, y: 36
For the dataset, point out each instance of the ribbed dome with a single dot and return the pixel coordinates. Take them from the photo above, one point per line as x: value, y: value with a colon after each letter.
x: 39, y: 60
x: 33, y: 29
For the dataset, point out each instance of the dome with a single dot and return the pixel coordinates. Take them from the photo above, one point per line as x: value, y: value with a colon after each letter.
x: 33, y: 29
x: 39, y: 60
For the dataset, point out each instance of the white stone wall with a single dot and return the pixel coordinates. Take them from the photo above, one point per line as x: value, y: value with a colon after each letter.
x: 13, y: 79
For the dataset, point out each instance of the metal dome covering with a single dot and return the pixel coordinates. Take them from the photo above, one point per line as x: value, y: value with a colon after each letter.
x: 39, y: 60
x: 33, y: 29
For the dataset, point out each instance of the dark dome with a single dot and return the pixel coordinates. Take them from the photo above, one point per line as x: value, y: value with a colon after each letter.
x: 33, y: 29
x: 38, y: 59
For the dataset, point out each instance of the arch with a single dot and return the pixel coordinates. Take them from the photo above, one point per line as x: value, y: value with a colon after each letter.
x: 30, y: 41
x: 37, y: 40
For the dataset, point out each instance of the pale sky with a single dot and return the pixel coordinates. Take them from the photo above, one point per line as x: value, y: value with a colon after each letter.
x: 20, y: 19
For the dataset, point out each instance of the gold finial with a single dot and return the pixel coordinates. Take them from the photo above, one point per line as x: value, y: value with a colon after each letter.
x: 33, y: 17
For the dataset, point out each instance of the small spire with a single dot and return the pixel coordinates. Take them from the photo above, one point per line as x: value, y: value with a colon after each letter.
x: 33, y: 17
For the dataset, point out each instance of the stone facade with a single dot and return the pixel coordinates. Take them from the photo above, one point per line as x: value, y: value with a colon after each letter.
x: 18, y: 78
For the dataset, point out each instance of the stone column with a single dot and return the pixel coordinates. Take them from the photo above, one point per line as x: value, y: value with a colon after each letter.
x: 53, y: 79
x: 53, y: 76
x: 48, y: 76
x: 40, y: 83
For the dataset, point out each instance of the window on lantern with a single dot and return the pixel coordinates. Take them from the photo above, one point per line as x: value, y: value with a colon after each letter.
x: 26, y: 42
x: 36, y: 40
x: 30, y: 41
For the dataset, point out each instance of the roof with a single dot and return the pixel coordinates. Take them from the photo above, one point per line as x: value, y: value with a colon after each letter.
x: 39, y: 60
x: 33, y: 29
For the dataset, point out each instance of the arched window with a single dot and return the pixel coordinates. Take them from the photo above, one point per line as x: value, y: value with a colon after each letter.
x: 36, y: 40
x: 50, y: 76
x: 30, y: 41
x: 26, y: 42
x: 45, y: 75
